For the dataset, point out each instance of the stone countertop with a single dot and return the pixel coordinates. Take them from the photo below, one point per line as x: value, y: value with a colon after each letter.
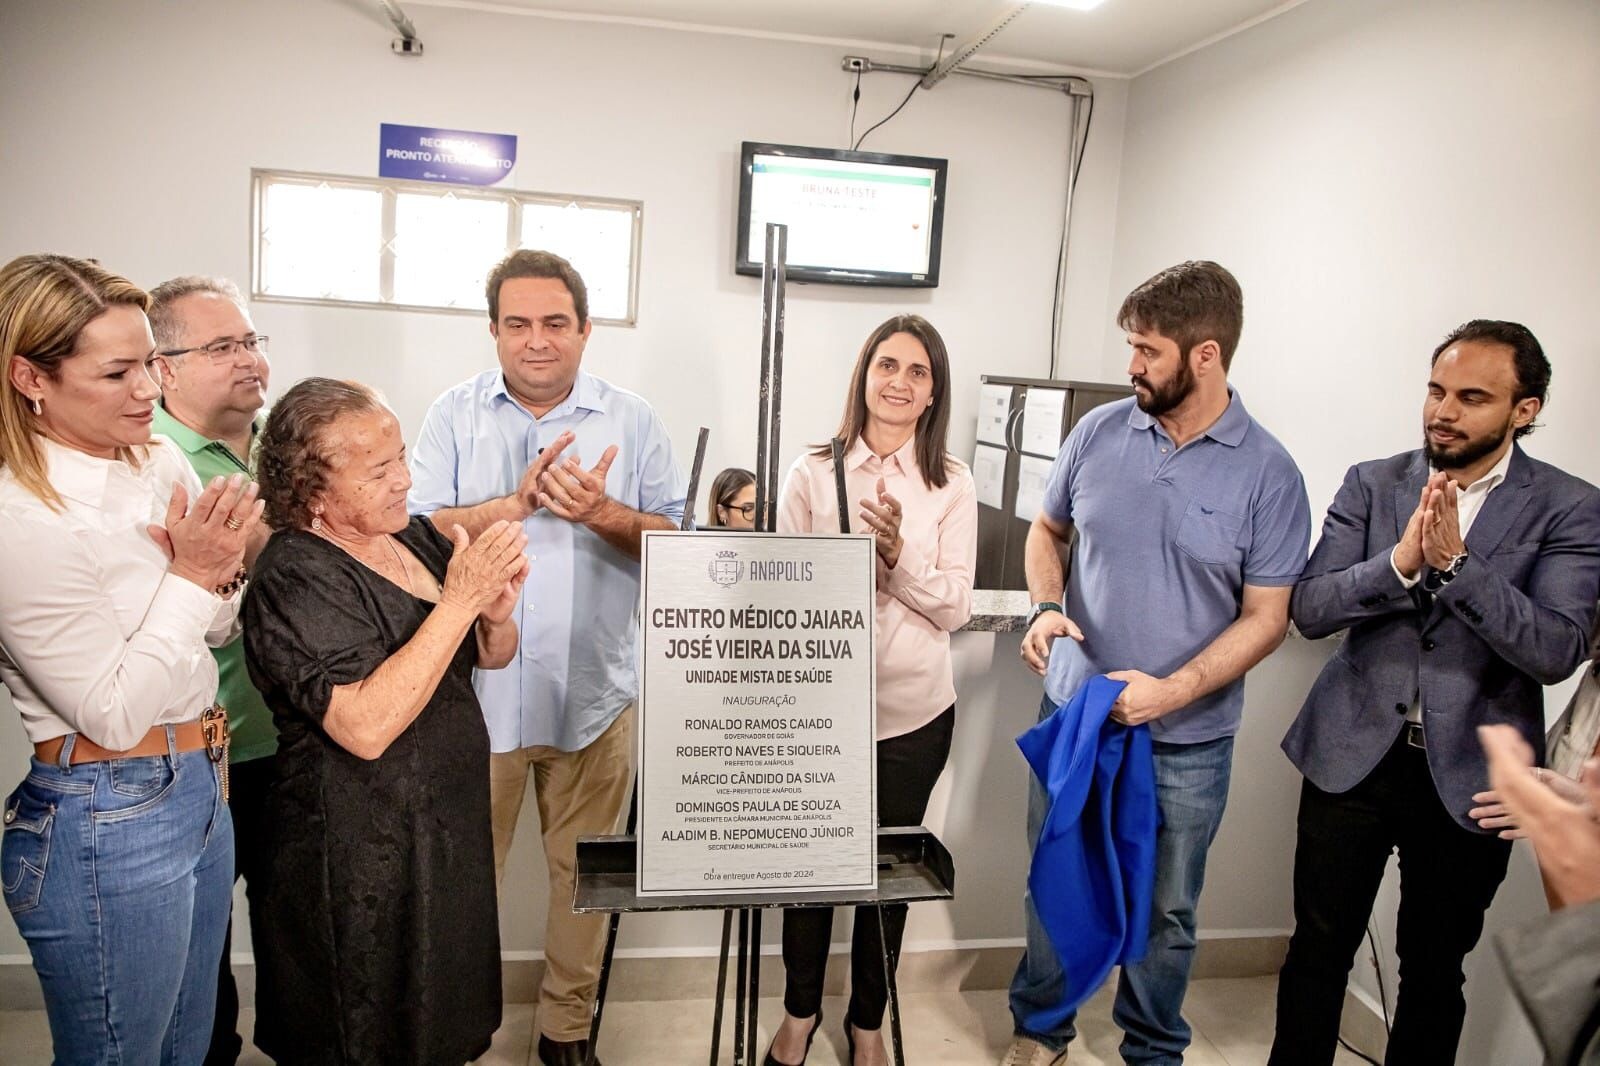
x: 1006, y: 611
x: 998, y: 611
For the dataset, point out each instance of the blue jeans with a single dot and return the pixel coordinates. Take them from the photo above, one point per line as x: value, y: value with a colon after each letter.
x: 119, y: 875
x: 1191, y: 792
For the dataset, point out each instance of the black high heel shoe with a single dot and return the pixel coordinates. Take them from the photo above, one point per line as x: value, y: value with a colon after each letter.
x: 770, y: 1061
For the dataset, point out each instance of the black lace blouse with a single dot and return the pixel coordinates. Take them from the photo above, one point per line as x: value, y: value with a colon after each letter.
x: 375, y: 930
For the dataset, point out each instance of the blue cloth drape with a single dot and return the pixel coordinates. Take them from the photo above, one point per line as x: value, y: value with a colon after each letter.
x: 1093, y: 872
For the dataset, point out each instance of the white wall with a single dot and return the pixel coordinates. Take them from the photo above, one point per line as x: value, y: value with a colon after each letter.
x: 130, y: 131
x: 1375, y: 173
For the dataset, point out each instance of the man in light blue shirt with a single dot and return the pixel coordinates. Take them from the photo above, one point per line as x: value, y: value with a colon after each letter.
x: 585, y: 467
x: 1191, y: 527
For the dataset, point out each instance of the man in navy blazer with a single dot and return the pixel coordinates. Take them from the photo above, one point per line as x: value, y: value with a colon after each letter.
x: 1467, y: 575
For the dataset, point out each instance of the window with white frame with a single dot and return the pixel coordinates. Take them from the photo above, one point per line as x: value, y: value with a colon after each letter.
x: 384, y: 243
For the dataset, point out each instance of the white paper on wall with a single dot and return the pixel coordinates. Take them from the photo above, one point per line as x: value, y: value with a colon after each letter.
x: 994, y: 404
x: 1042, y: 415
x: 1032, y: 478
x: 989, y: 472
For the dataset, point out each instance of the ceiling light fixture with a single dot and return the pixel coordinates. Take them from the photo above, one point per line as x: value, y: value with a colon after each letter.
x: 1076, y: 5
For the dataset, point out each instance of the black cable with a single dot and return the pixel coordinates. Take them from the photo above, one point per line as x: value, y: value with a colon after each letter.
x: 1383, y: 997
x: 937, y: 60
x: 1072, y: 188
x: 1362, y: 1055
x: 1377, y: 967
x: 855, y: 102
x: 1088, y: 124
x: 890, y: 115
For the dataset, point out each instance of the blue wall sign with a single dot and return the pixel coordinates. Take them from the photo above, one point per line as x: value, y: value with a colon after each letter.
x: 463, y: 157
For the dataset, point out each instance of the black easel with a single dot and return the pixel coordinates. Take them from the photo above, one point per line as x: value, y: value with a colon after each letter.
x: 912, y: 864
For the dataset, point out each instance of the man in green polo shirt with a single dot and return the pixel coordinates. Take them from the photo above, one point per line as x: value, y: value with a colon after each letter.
x: 213, y: 372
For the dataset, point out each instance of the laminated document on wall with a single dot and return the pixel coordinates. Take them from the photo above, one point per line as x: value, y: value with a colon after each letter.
x: 1032, y: 477
x: 1042, y: 415
x: 989, y: 474
x: 994, y: 404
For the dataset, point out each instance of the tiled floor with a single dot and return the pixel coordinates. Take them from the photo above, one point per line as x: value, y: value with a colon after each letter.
x: 1232, y: 1021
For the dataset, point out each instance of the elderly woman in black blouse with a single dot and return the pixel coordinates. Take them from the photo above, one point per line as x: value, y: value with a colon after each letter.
x: 376, y: 934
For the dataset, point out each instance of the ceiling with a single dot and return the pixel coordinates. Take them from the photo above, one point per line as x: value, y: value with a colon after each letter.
x: 1121, y: 37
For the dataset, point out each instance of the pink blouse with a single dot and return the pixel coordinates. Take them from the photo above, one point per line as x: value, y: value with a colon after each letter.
x: 927, y: 595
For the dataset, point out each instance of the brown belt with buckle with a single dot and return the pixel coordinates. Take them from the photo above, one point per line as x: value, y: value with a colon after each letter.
x: 209, y: 733
x: 1414, y: 735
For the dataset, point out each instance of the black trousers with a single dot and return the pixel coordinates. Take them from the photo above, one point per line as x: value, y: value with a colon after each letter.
x: 908, y: 767
x: 247, y: 801
x: 1448, y: 878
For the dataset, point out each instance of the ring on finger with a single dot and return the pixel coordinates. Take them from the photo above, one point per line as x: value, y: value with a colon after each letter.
x: 233, y: 523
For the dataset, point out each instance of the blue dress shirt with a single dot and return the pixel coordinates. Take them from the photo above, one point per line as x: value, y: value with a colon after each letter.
x: 577, y: 668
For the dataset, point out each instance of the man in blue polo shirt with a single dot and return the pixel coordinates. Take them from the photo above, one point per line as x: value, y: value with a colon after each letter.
x: 585, y: 467
x: 1191, y: 527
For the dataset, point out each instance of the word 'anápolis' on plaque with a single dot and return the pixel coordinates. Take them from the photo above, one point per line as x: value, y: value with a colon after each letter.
x: 757, y: 708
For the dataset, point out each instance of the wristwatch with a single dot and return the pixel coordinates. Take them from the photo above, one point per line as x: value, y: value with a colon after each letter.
x: 1041, y: 608
x: 1438, y: 579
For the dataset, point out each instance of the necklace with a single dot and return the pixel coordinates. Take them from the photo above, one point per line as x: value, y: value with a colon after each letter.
x: 405, y: 571
x: 394, y: 553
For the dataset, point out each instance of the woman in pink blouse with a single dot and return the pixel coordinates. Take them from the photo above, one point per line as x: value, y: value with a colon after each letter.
x: 921, y: 504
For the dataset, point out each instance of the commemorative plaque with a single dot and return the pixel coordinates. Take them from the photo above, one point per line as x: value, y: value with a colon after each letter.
x: 756, y: 714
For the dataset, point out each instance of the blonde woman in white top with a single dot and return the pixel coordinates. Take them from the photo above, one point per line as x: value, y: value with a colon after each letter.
x: 117, y: 861
x: 921, y: 504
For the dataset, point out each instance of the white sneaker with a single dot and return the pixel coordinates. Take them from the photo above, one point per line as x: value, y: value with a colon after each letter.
x: 1025, y: 1052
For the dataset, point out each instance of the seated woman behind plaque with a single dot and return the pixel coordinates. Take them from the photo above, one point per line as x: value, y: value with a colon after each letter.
x: 731, y: 503
x: 375, y: 930
x: 922, y: 506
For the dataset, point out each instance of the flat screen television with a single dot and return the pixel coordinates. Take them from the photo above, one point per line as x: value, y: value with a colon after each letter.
x: 854, y: 218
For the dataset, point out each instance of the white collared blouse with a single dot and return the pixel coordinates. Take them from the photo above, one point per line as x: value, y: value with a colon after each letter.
x: 96, y: 635
x: 927, y: 595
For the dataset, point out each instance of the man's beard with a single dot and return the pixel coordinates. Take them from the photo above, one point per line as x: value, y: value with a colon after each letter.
x: 1163, y: 399
x: 1463, y: 453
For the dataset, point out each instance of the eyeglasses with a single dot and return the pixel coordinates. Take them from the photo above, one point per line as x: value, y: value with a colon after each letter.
x: 746, y: 509
x: 227, y: 348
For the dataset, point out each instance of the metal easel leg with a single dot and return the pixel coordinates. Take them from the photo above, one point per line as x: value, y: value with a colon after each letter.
x: 611, y: 949
x: 722, y: 989
x: 894, y: 994
x: 755, y: 980
x: 738, y: 989
x: 600, y: 992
